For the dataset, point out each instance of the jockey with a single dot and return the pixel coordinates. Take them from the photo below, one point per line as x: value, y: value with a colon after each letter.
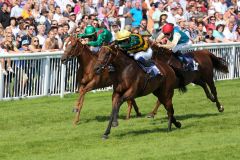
x: 176, y: 40
x: 136, y: 46
x: 95, y: 37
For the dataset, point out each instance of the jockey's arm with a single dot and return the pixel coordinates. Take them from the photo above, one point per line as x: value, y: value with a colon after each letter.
x: 159, y: 38
x: 173, y: 43
x: 99, y: 41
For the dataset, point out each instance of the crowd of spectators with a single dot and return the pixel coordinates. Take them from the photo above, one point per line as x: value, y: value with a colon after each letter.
x: 43, y: 25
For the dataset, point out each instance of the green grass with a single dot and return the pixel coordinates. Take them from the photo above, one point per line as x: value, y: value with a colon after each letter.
x: 41, y: 129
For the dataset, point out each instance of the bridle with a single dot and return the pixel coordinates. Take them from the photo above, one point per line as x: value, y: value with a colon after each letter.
x: 107, y: 58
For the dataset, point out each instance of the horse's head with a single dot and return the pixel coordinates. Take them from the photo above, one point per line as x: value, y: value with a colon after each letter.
x: 70, y: 48
x: 105, y: 56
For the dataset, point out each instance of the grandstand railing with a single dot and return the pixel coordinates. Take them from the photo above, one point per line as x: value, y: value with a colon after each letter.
x: 42, y: 74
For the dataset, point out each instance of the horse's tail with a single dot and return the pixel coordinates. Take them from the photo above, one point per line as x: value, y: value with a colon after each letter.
x: 219, y: 63
x: 181, y: 84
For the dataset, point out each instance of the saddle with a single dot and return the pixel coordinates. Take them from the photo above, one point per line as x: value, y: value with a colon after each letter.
x: 184, y: 62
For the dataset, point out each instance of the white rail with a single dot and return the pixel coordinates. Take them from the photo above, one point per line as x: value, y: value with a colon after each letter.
x: 42, y: 74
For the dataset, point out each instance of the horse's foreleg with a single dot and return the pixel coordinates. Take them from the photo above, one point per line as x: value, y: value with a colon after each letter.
x: 79, y: 105
x: 82, y: 92
x: 154, y: 111
x: 116, y: 103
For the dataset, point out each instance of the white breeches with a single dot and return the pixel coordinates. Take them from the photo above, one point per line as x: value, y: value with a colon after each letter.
x: 146, y: 55
x: 180, y: 47
x: 94, y: 49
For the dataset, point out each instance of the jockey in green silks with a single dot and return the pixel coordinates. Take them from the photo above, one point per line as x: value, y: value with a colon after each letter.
x: 96, y: 37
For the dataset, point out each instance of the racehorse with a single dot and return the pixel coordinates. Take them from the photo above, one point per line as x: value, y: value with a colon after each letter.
x: 86, y: 77
x: 131, y: 82
x: 202, y: 77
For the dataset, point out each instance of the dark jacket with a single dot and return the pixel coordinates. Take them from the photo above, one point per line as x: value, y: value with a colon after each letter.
x: 4, y: 18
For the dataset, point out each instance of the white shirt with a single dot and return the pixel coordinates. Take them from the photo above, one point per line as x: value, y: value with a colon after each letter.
x: 57, y: 17
x: 232, y: 36
x: 16, y: 11
x: 41, y: 39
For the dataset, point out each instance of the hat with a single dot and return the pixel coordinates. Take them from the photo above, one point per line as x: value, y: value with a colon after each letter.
x: 231, y: 7
x: 25, y: 42
x: 72, y: 14
x: 122, y: 35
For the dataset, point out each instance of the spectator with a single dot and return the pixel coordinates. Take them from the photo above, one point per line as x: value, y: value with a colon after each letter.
x: 57, y: 15
x: 16, y: 11
x: 238, y: 33
x: 150, y: 20
x: 136, y: 14
x: 229, y: 32
x: 26, y: 13
x: 28, y: 37
x: 114, y: 29
x: 35, y: 46
x: 36, y: 10
x: 51, y: 43
x: 72, y: 23
x: 4, y: 16
x: 218, y: 33
x: 13, y: 26
x: 41, y: 34
x: 209, y: 36
x: 126, y: 10
x: 156, y: 15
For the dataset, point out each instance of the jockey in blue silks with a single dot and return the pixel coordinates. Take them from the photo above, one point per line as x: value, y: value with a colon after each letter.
x: 177, y: 40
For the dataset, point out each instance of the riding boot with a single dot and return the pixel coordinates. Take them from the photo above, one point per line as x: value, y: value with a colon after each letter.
x: 111, y: 68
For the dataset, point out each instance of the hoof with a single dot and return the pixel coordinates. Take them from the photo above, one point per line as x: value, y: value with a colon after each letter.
x: 114, y: 124
x: 139, y: 115
x: 221, y: 109
x: 150, y: 115
x: 127, y: 118
x: 75, y: 110
x: 178, y: 124
x: 104, y: 137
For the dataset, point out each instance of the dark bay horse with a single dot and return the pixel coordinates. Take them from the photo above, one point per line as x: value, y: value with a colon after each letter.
x: 131, y: 82
x: 86, y: 76
x: 203, y: 77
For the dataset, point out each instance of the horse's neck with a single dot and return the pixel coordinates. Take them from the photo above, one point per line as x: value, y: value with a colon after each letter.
x: 122, y: 61
x: 85, y: 59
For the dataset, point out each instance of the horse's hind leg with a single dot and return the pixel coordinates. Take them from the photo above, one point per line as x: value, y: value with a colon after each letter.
x: 134, y: 104
x: 206, y: 90
x: 154, y: 111
x: 214, y: 92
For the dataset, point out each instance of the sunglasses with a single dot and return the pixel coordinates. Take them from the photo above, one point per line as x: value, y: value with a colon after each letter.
x: 77, y: 30
x: 54, y: 24
x: 213, y: 19
x: 36, y: 41
x: 31, y: 28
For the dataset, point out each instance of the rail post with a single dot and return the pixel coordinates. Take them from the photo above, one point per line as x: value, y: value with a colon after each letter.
x: 232, y: 62
x: 1, y: 82
x: 46, y: 75
x: 63, y: 76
